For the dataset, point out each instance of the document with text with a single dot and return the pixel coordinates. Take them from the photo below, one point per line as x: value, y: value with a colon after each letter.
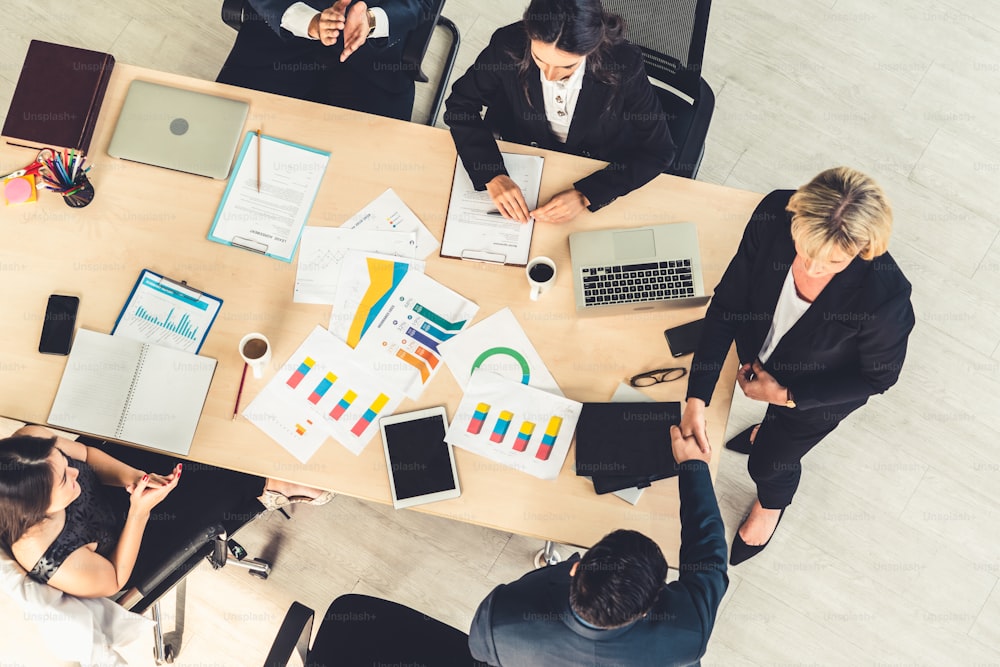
x: 474, y: 228
x: 265, y: 208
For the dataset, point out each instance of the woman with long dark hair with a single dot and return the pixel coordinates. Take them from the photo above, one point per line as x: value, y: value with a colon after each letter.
x: 563, y: 78
x: 63, y: 524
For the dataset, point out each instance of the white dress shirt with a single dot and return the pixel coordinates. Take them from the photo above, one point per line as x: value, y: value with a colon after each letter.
x: 560, y: 100
x: 788, y: 311
x: 297, y: 18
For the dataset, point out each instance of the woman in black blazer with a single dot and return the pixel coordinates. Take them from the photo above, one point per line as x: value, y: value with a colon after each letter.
x: 813, y: 293
x: 595, y: 101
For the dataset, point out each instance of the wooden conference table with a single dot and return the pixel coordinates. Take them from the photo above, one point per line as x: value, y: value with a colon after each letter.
x: 146, y: 217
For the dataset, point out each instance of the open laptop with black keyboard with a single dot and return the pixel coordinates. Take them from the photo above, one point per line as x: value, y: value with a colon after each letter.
x: 641, y: 268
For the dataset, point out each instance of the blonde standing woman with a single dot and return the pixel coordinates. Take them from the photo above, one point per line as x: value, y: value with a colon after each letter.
x: 820, y: 313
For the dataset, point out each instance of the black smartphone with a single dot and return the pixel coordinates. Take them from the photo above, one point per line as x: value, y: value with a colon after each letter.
x: 684, y: 339
x: 60, y: 321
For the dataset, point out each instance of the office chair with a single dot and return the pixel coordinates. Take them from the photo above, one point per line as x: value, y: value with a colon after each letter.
x: 359, y: 630
x: 671, y: 34
x: 234, y: 13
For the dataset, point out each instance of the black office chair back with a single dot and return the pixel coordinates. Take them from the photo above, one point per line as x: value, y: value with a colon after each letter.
x: 671, y: 34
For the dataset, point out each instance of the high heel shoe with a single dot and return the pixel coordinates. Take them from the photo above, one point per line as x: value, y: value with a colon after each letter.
x: 741, y: 442
x: 273, y: 500
x: 742, y: 551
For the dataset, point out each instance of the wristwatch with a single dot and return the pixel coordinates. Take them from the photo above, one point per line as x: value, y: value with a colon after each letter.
x: 789, y: 400
x: 371, y: 22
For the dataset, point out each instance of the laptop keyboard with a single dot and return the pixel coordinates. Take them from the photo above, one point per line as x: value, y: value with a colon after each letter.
x: 630, y: 283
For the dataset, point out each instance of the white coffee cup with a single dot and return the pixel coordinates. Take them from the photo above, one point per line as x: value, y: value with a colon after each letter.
x: 541, y: 272
x: 255, y: 349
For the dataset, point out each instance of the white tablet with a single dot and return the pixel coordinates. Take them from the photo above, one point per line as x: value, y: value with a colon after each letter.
x: 421, y: 464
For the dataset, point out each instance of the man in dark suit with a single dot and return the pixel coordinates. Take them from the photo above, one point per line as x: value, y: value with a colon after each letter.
x: 611, y: 607
x: 348, y: 54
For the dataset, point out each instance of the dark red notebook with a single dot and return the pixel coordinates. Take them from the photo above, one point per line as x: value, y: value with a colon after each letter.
x: 58, y: 96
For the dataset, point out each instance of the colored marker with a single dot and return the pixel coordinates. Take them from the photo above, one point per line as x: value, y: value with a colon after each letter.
x: 500, y: 428
x: 478, y: 417
x: 549, y: 439
x: 523, y: 436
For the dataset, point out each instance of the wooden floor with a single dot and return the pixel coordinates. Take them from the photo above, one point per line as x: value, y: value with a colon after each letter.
x: 890, y: 554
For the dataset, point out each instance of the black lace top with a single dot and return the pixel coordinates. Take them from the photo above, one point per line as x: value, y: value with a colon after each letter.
x: 88, y: 519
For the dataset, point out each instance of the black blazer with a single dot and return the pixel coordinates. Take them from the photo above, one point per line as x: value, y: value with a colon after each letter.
x: 627, y: 127
x: 378, y: 59
x: 529, y: 622
x: 849, y: 344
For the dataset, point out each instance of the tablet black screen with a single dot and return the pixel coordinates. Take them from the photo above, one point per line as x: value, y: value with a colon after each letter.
x: 419, y: 457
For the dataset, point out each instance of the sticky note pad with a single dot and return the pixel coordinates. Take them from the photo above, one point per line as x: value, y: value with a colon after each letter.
x: 19, y: 190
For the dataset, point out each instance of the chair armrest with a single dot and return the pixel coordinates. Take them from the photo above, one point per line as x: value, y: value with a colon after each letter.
x: 232, y: 13
x: 294, y: 633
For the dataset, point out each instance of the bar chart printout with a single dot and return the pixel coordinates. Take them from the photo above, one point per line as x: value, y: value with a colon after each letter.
x: 324, y: 389
x: 165, y: 312
x: 493, y: 406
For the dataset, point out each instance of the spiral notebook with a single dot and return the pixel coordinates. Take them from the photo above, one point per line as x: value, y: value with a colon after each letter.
x: 115, y: 387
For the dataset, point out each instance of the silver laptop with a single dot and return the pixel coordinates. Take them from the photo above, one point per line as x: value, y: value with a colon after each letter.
x: 178, y: 129
x: 643, y: 268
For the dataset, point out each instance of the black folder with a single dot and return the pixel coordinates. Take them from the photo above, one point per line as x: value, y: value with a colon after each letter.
x: 623, y: 445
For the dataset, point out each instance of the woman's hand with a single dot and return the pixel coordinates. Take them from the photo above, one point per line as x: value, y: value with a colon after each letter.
x: 693, y: 424
x: 760, y: 385
x: 562, y: 208
x: 146, y: 495
x: 508, y: 198
x: 155, y: 481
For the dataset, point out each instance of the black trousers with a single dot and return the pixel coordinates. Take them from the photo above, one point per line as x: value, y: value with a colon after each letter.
x: 785, y: 436
x: 260, y: 60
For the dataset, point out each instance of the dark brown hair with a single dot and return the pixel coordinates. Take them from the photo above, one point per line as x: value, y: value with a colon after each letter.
x: 25, y: 484
x: 618, y: 579
x: 580, y: 27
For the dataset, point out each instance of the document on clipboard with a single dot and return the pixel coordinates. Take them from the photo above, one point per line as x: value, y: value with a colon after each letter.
x: 475, y: 230
x: 265, y: 210
x: 165, y: 312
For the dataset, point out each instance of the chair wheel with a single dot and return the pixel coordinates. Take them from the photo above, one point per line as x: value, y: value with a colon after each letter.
x: 169, y: 654
x: 260, y: 574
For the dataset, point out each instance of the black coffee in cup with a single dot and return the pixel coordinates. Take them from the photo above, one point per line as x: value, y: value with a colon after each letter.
x: 541, y: 272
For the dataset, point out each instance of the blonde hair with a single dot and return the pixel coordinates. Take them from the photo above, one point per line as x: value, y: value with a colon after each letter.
x: 842, y: 209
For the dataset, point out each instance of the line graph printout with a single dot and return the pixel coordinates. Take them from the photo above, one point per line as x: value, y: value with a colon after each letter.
x: 403, y: 340
x: 322, y: 387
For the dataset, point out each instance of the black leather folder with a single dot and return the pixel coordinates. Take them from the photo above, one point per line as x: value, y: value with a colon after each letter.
x: 623, y: 445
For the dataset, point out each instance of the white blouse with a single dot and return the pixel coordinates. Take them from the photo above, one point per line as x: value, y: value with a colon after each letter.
x: 560, y: 100
x: 788, y: 311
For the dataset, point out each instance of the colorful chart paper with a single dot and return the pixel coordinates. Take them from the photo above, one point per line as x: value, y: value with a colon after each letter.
x: 403, y: 340
x: 366, y: 282
x: 498, y: 344
x: 322, y: 390
x: 525, y: 428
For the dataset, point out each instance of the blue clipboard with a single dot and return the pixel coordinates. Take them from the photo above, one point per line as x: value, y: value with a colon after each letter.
x: 166, y: 312
x: 246, y: 241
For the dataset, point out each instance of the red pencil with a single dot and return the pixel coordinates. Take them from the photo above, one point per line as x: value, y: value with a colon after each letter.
x: 239, y: 392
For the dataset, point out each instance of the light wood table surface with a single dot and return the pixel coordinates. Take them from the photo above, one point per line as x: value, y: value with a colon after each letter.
x: 146, y: 217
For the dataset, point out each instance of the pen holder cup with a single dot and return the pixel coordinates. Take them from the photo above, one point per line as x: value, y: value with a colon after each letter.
x: 81, y: 194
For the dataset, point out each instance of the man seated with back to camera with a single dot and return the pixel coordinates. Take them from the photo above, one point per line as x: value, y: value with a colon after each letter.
x: 346, y: 54
x: 612, y: 607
